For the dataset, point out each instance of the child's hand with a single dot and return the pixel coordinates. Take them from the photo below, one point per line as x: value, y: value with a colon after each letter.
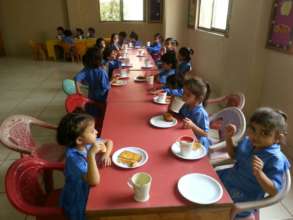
x: 257, y: 165
x: 230, y: 130
x: 187, y: 123
x: 156, y: 91
x: 106, y: 160
x: 97, y: 147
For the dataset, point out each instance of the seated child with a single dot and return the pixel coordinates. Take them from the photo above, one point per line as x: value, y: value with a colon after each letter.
x: 196, y: 92
x: 122, y: 39
x: 101, y: 44
x: 156, y: 46
x: 91, y: 32
x: 68, y: 38
x: 77, y: 132
x: 260, y: 164
x: 111, y: 60
x: 114, y: 41
x: 133, y: 39
x: 60, y: 33
x: 170, y: 44
x: 169, y: 63
x: 79, y: 33
x: 94, y: 75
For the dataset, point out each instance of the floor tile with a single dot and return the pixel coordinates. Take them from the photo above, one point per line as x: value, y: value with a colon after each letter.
x: 274, y: 212
x: 7, y: 211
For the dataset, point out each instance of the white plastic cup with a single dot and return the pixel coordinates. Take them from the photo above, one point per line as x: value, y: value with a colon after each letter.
x: 176, y: 104
x: 150, y: 79
x: 148, y: 44
x: 141, y: 185
x: 146, y: 62
x: 186, y: 144
x: 123, y: 73
x: 162, y: 96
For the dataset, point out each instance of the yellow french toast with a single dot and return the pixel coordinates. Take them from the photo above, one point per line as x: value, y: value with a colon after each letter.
x: 129, y: 158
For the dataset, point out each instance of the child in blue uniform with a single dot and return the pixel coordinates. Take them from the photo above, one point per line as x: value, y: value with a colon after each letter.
x: 133, y: 39
x: 196, y: 92
x: 111, y: 61
x: 155, y: 47
x: 77, y: 132
x: 101, y: 44
x: 169, y: 63
x: 114, y: 41
x: 260, y: 164
x: 184, y: 57
x: 122, y: 39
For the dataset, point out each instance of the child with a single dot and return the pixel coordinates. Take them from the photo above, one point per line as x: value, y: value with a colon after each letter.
x: 91, y: 32
x: 169, y: 63
x: 196, y: 92
x: 110, y: 60
x: 94, y: 75
x: 100, y: 44
x: 156, y: 46
x: 79, y: 33
x: 122, y: 39
x: 60, y: 33
x: 260, y: 164
x: 184, y: 62
x: 77, y: 132
x: 68, y: 39
x: 170, y: 44
x: 133, y: 39
x: 114, y: 41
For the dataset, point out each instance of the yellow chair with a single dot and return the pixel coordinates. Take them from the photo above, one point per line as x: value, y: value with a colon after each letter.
x: 79, y: 50
x: 38, y: 50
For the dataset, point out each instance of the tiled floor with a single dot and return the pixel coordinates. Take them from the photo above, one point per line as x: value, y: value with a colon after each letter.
x: 34, y: 88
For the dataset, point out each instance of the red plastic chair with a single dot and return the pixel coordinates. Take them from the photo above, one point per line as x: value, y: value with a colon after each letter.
x: 79, y: 101
x: 26, y: 188
x: 15, y: 133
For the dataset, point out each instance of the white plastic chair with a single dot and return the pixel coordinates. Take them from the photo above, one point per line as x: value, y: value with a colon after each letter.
x: 231, y: 115
x: 268, y: 201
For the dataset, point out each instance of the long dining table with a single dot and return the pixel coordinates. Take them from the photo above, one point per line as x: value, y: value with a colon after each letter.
x: 128, y: 112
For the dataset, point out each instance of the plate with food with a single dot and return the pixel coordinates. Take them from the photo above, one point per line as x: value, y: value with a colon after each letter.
x: 198, y: 151
x: 158, y: 100
x: 163, y: 121
x: 130, y: 157
x: 119, y: 83
x: 140, y: 79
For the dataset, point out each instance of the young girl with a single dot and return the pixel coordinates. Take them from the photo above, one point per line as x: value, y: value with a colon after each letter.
x: 184, y: 57
x: 169, y: 63
x: 156, y: 46
x: 260, y: 164
x: 110, y: 60
x: 77, y: 132
x: 114, y: 41
x: 79, y: 33
x: 170, y: 44
x: 94, y: 75
x: 196, y: 92
x: 100, y: 44
x: 60, y: 33
x: 133, y: 39
x: 122, y: 39
x: 91, y: 32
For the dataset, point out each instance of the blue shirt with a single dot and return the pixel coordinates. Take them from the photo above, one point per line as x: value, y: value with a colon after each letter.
x: 155, y: 48
x: 240, y: 181
x: 200, y: 117
x: 183, y: 68
x: 164, y: 74
x: 113, y: 64
x: 174, y: 92
x: 98, y: 82
x: 68, y: 39
x: 75, y: 192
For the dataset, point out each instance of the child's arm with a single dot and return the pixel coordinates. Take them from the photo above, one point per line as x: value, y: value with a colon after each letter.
x: 187, y: 123
x: 230, y: 130
x: 106, y: 159
x: 266, y: 184
x: 77, y: 85
x: 93, y: 175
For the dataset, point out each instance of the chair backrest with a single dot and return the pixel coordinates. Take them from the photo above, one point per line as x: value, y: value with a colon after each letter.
x: 243, y: 206
x: 229, y: 115
x: 15, y: 133
x: 76, y: 100
x: 68, y: 86
x: 23, y: 184
x: 80, y: 48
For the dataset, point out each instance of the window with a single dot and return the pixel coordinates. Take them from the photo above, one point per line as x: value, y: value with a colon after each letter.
x: 213, y: 15
x: 121, y: 10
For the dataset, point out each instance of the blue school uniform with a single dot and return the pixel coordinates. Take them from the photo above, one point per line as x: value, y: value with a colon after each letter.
x: 68, y: 39
x: 113, y: 64
x: 200, y: 117
x: 136, y: 43
x: 74, y: 195
x: 183, y: 68
x: 155, y: 48
x: 173, y: 92
x: 240, y: 181
x: 98, y: 82
x: 164, y: 74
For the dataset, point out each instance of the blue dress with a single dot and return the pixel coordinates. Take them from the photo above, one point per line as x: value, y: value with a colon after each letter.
x: 200, y: 117
x: 155, y: 48
x: 183, y: 68
x: 98, y: 82
x: 164, y: 74
x: 240, y: 181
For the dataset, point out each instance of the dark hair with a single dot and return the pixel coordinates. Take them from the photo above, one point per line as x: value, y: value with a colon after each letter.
x: 133, y: 35
x: 99, y: 42
x: 172, y: 40
x: 91, y: 29
x: 170, y: 58
x: 60, y: 29
x: 92, y: 58
x: 67, y: 33
x: 107, y: 51
x: 199, y: 88
x: 186, y: 53
x: 158, y: 35
x: 122, y: 34
x: 71, y: 126
x: 112, y: 37
x: 270, y: 119
x: 79, y: 30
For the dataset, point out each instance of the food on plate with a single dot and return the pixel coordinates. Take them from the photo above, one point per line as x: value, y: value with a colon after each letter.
x: 129, y: 158
x: 168, y: 117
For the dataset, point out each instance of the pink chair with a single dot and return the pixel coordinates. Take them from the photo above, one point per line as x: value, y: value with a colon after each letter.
x: 218, y: 122
x: 268, y: 201
x: 15, y: 133
x: 27, y: 190
x: 232, y: 100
